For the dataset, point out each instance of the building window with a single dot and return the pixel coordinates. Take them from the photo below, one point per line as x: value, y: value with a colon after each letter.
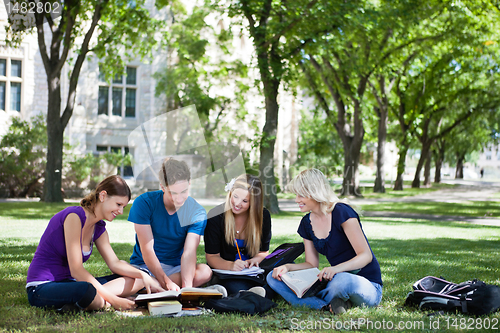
x: 10, y: 84
x: 123, y: 170
x: 119, y: 97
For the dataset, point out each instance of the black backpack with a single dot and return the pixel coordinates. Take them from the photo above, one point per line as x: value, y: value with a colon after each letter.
x: 245, y: 302
x: 471, y: 297
x: 283, y: 254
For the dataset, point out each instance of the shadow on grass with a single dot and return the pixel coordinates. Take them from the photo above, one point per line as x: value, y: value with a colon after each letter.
x: 41, y: 210
x: 444, y: 222
x: 405, y: 261
x: 288, y: 214
x: 402, y: 263
x: 472, y: 209
x: 367, y: 191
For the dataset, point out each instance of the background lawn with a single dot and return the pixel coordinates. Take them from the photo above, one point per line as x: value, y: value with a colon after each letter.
x: 407, y: 250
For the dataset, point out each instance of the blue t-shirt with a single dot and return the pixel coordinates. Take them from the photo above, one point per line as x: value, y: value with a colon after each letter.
x: 169, y: 231
x: 336, y: 247
x: 241, y: 245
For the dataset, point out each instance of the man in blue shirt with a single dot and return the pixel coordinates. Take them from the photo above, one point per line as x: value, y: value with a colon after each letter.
x: 168, y: 225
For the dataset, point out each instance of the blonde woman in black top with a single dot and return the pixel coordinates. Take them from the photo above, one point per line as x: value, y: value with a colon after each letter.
x: 238, y: 231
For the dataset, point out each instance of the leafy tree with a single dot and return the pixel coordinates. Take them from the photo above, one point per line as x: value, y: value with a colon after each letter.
x: 446, y: 82
x: 319, y: 145
x: 466, y: 139
x: 381, y: 86
x: 279, y: 30
x: 459, y: 85
x: 192, y: 77
x: 340, y: 64
x: 114, y: 30
x: 22, y: 157
x: 92, y: 168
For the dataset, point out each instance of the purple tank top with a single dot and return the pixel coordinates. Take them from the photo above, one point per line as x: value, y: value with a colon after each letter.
x: 50, y: 262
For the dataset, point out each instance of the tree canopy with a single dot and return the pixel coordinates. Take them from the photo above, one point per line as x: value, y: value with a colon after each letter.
x: 114, y: 30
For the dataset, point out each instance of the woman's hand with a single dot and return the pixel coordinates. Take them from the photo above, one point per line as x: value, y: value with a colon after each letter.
x: 238, y: 265
x: 120, y: 303
x: 253, y: 262
x: 327, y: 273
x: 279, y: 271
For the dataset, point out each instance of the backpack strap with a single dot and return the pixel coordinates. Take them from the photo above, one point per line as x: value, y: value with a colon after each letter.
x: 463, y: 303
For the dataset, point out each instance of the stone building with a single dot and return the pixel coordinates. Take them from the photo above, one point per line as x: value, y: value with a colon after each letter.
x: 106, y: 114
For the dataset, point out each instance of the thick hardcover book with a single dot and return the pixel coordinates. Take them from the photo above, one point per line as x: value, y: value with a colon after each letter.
x: 164, y: 307
x: 185, y: 296
x: 304, y: 283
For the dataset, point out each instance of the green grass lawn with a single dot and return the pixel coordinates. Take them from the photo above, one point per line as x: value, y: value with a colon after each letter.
x: 407, y: 250
x: 367, y: 191
x: 465, y: 209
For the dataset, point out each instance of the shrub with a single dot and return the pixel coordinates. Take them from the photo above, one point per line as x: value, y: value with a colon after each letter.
x: 22, y: 157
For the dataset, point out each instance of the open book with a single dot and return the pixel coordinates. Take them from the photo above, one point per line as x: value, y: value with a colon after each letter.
x: 185, y: 295
x: 305, y: 282
x: 252, y: 271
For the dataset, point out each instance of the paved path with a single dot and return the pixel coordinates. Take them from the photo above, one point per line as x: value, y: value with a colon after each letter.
x: 467, y: 190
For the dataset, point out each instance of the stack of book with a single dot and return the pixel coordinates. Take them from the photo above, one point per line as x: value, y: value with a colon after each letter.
x: 171, y: 301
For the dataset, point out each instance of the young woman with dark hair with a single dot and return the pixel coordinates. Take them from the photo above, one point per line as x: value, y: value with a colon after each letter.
x: 57, y: 277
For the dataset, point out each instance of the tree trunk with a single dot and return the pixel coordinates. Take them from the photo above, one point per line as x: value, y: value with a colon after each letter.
x: 398, y: 184
x: 459, y: 172
x: 267, y: 144
x: 427, y: 170
x: 352, y: 151
x: 423, y: 156
x: 439, y: 160
x: 350, y: 183
x: 437, y: 172
x: 379, y: 186
x: 55, y: 137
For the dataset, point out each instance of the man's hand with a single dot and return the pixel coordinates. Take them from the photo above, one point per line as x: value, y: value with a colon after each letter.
x: 170, y: 285
x: 151, y: 284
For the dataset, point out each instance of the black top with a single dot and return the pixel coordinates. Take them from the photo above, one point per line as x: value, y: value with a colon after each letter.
x: 215, y: 240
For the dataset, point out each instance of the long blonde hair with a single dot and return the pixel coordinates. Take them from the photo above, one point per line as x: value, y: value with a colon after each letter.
x: 312, y: 183
x: 253, y: 226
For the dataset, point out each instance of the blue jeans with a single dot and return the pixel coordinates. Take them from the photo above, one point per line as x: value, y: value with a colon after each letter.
x: 233, y: 286
x: 359, y: 290
x: 57, y: 294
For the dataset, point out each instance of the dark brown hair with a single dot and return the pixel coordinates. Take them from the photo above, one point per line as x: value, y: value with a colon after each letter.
x: 113, y: 185
x: 173, y: 171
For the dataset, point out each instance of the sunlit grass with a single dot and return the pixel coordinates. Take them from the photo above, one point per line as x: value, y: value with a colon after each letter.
x: 408, y: 191
x: 41, y: 210
x: 407, y: 249
x: 465, y: 208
